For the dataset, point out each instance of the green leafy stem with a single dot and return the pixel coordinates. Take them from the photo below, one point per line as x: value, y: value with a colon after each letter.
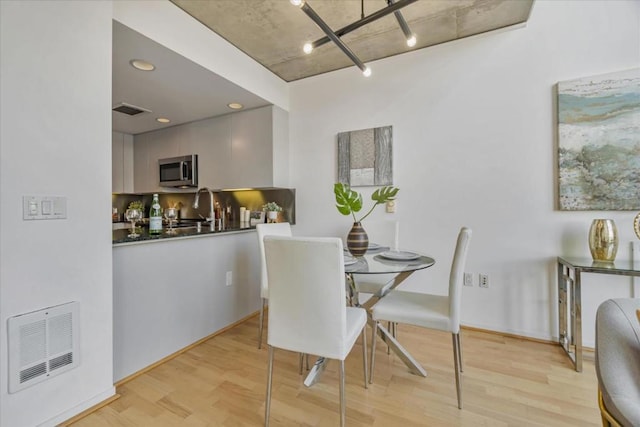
x: 349, y: 201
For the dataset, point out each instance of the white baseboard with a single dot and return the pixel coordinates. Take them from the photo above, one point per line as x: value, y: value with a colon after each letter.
x: 509, y: 331
x: 79, y: 408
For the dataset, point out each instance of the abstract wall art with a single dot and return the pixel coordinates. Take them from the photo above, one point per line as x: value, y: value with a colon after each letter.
x: 365, y: 157
x: 599, y: 142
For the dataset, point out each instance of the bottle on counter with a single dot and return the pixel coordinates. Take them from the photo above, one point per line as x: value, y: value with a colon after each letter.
x: 155, y: 217
x: 217, y: 210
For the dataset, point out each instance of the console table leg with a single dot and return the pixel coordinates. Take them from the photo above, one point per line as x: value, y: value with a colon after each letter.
x: 577, y: 319
x: 562, y: 305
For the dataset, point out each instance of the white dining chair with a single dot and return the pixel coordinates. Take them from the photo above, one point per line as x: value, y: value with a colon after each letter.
x: 272, y: 229
x: 383, y: 233
x: 307, y: 310
x: 429, y: 311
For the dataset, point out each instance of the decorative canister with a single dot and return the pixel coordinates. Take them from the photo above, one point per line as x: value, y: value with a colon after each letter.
x: 357, y: 240
x: 603, y: 239
x: 272, y: 216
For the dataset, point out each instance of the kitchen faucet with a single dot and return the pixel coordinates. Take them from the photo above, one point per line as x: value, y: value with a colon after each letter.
x: 197, y: 200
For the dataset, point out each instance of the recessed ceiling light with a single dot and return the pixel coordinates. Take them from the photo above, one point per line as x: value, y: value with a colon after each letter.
x: 235, y: 106
x: 141, y: 64
x: 162, y: 120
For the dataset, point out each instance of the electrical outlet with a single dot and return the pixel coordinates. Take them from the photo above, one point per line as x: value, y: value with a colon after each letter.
x: 229, y: 278
x: 484, y: 281
x: 468, y: 279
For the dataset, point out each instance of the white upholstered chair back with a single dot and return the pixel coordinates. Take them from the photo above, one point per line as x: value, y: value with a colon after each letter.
x: 307, y: 305
x: 307, y: 310
x: 456, y: 278
x: 273, y: 229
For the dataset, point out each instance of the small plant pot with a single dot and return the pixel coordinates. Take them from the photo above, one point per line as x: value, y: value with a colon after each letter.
x: 272, y: 216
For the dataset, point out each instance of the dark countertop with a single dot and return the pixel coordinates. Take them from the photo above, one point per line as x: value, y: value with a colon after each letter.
x: 121, y: 236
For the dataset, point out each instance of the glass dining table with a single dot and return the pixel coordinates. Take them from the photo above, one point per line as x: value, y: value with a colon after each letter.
x: 378, y: 261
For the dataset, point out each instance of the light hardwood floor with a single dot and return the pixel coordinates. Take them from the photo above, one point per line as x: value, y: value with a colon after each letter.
x: 222, y: 382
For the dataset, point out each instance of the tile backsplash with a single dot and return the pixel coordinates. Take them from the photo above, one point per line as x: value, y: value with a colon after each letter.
x: 250, y: 199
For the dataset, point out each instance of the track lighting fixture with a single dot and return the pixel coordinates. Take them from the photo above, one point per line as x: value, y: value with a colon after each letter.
x: 307, y: 48
x: 411, y: 38
x: 334, y: 36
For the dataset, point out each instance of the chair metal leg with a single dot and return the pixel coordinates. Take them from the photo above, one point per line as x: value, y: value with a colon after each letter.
x: 374, y: 327
x: 456, y: 360
x: 364, y: 355
x: 267, y: 406
x: 459, y: 335
x: 342, y: 397
x: 264, y: 301
x: 304, y: 360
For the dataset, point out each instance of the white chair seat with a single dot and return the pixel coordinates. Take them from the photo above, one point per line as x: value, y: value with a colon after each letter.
x: 377, y: 284
x: 412, y: 308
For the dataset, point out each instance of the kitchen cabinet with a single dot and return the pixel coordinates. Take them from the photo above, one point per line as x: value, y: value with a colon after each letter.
x: 239, y: 150
x: 121, y: 162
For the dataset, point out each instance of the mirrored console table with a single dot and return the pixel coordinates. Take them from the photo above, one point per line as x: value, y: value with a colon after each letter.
x: 569, y: 298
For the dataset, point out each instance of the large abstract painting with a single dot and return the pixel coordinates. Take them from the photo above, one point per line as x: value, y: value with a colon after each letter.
x: 365, y: 157
x: 599, y: 142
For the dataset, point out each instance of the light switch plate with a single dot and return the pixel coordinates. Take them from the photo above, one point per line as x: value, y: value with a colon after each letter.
x: 391, y: 206
x: 44, y: 207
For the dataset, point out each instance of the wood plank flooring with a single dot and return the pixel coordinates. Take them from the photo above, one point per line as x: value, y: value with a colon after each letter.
x: 506, y: 382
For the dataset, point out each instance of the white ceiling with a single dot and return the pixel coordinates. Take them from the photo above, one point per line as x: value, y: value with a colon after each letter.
x: 178, y: 88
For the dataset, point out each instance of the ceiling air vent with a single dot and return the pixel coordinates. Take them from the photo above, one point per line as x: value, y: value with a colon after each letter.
x: 129, y: 109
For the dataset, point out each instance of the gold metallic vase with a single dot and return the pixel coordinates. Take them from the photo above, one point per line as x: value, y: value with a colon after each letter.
x: 603, y: 239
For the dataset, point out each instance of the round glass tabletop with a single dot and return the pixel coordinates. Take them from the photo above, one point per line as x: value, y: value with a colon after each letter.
x: 389, y: 262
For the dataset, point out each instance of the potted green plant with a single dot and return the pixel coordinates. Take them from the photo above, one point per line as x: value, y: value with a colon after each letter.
x: 349, y: 202
x: 272, y: 209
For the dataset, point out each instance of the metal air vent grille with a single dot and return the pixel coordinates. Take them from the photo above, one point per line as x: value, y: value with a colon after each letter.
x: 129, y: 109
x: 60, y: 361
x: 42, y: 344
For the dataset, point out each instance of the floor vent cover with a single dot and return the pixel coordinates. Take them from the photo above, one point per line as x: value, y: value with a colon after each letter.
x: 42, y: 344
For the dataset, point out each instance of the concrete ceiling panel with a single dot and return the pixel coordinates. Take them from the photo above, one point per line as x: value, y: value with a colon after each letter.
x: 273, y: 31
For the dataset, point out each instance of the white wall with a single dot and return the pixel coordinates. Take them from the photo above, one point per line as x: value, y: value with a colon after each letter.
x: 55, y: 133
x: 474, y: 144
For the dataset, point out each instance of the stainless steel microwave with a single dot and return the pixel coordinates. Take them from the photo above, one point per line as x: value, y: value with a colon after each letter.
x: 179, y: 171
